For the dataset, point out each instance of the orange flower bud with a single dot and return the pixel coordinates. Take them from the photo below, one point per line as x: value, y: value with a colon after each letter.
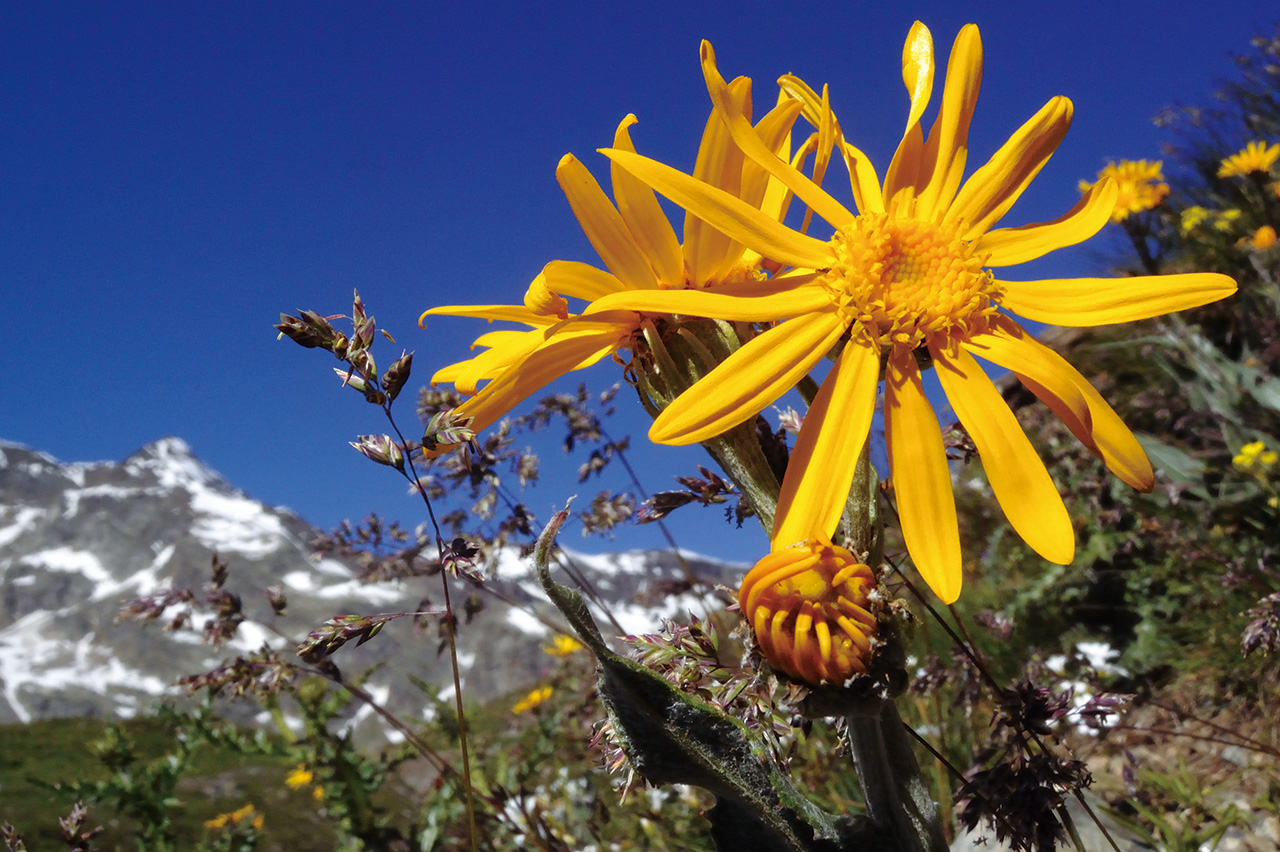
x: 809, y: 606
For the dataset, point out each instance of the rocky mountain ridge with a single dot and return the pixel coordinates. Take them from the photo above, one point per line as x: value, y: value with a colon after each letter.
x: 79, y: 540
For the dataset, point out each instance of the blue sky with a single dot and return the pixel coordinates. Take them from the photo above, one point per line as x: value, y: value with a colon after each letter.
x: 176, y: 175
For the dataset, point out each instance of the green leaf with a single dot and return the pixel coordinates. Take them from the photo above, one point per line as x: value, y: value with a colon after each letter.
x: 671, y: 737
x: 1181, y: 467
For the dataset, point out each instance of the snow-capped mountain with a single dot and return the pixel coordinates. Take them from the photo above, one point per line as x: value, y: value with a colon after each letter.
x: 79, y: 540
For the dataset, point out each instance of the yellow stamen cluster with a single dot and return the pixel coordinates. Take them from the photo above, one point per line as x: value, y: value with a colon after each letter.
x: 1256, y: 157
x: 910, y: 281
x: 809, y: 607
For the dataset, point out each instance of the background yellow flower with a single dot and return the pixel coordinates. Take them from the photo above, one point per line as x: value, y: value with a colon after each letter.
x: 1256, y: 157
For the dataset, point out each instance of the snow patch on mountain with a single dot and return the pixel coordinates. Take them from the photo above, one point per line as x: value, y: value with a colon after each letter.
x: 236, y: 524
x: 33, y: 665
x: 69, y: 561
x: 71, y: 498
x: 21, y: 520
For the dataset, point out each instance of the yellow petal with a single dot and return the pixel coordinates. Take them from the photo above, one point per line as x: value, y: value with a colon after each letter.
x: 903, y: 177
x: 991, y: 190
x: 817, y: 111
x: 764, y: 369
x: 775, y: 131
x: 1018, y: 477
x: 507, y: 348
x: 820, y: 471
x: 1070, y: 396
x: 783, y: 303
x: 917, y: 71
x: 921, y: 478
x: 542, y: 300
x: 577, y: 344
x: 643, y: 214
x: 1011, y: 246
x: 514, y: 313
x: 603, y: 225
x: 863, y: 179
x: 1106, y: 301
x: 581, y: 280
x: 737, y: 219
x: 719, y: 164
x: 948, y: 145
x: 750, y: 143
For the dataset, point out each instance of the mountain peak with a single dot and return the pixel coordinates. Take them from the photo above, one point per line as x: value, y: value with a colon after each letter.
x: 172, y: 462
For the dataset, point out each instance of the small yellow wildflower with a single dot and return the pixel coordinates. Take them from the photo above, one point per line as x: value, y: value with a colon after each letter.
x: 532, y: 700
x: 299, y: 778
x: 1255, y: 456
x: 1256, y: 157
x: 1220, y: 220
x: 1263, y: 238
x: 240, y: 815
x: 1225, y: 220
x: 317, y: 793
x: 258, y: 822
x: 562, y: 646
x: 1193, y: 217
x: 1139, y: 186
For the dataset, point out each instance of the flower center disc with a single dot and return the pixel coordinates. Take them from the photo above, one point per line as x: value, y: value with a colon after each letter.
x: 909, y: 281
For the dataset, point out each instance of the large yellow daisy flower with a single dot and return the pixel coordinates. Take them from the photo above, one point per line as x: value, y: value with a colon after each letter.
x: 640, y: 249
x: 908, y: 279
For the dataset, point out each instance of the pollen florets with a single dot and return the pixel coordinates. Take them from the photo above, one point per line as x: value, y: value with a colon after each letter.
x: 910, y: 281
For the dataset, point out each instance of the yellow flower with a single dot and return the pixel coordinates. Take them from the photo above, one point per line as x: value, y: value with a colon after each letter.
x: 1263, y: 238
x: 1193, y: 217
x: 236, y: 817
x: 1254, y: 456
x: 640, y: 249
x: 909, y: 276
x: 1225, y: 220
x: 258, y: 822
x: 298, y: 778
x: 809, y: 608
x: 1139, y: 186
x: 532, y: 700
x: 562, y: 646
x: 317, y: 793
x: 1256, y: 157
